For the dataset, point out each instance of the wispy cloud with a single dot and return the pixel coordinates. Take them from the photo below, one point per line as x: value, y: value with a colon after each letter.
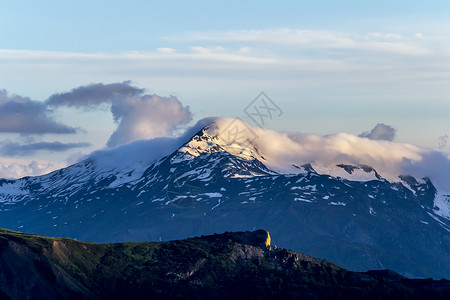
x: 16, y: 149
x: 164, y: 54
x: 316, y: 39
x: 279, y: 55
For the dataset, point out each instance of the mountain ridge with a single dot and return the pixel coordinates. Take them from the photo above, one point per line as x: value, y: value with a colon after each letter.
x: 220, y: 266
x: 205, y: 184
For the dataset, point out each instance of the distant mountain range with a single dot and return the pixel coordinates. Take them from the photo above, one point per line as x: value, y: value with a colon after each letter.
x: 239, y: 265
x: 209, y: 181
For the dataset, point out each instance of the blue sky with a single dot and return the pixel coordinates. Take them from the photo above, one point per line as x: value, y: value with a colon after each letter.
x: 112, y: 26
x: 332, y: 66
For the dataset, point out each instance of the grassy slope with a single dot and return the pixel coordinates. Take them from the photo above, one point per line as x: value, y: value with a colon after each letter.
x: 220, y: 266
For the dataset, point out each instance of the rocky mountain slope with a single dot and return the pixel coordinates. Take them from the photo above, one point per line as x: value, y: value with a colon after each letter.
x: 205, y: 182
x: 222, y: 266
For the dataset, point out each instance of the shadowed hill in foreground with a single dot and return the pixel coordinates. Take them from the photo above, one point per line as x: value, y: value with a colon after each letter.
x: 221, y: 266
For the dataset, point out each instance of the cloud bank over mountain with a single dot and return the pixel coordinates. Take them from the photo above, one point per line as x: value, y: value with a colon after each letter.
x: 390, y: 159
x: 141, y: 116
x: 282, y: 152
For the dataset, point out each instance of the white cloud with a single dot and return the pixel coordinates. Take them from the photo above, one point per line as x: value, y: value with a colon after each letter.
x: 147, y: 117
x: 245, y: 50
x: 386, y: 35
x: 139, y: 116
x: 394, y: 48
x: 18, y: 168
x: 166, y: 50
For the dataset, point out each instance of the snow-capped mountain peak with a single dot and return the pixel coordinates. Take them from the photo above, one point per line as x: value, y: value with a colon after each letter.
x: 276, y: 153
x: 213, y: 139
x: 283, y: 154
x: 339, y: 190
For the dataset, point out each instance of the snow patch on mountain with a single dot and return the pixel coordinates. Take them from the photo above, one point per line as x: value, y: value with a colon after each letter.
x: 10, y: 189
x: 442, y: 205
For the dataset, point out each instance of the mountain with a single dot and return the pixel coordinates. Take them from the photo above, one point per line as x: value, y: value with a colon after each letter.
x: 358, y: 215
x: 222, y: 266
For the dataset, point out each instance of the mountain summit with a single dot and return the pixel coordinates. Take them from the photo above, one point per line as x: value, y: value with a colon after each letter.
x: 361, y: 203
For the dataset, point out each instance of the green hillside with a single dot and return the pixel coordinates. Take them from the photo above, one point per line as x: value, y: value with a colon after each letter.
x: 222, y: 266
